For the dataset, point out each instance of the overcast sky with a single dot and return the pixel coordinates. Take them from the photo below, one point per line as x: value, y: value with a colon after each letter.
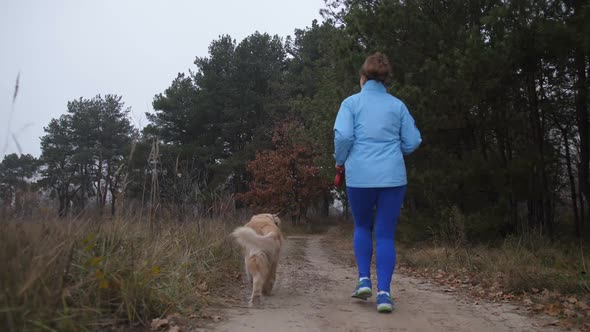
x: 66, y: 49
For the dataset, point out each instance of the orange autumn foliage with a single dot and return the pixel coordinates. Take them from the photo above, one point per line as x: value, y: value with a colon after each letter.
x: 285, y: 179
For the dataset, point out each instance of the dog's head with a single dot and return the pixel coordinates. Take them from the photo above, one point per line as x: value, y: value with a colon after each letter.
x: 275, y: 218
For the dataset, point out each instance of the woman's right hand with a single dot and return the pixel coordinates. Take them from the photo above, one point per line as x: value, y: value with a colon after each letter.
x: 339, y: 178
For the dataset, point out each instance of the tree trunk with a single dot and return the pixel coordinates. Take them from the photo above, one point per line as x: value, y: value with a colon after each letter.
x: 582, y: 211
x: 107, y: 183
x: 67, y: 202
x: 113, y: 201
x: 541, y: 201
x: 570, y: 173
x: 326, y: 206
x: 99, y: 203
x: 62, y: 203
x: 513, y: 207
x: 581, y: 101
x: 345, y: 206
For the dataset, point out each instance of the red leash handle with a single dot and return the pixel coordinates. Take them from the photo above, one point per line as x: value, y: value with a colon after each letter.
x: 339, y: 178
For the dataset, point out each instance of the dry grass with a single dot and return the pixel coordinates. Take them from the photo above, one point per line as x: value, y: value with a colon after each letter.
x: 70, y: 275
x: 536, y: 274
x: 541, y: 276
x: 513, y: 266
x: 517, y: 265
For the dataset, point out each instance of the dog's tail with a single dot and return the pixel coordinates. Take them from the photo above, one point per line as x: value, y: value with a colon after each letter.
x: 249, y: 239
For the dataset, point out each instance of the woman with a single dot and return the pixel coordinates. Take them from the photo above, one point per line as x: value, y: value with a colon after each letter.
x: 372, y: 133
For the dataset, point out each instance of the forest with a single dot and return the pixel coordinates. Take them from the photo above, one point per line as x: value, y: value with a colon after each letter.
x: 499, y: 90
x: 498, y: 192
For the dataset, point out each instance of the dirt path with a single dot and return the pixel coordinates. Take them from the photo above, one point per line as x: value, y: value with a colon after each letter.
x: 312, y: 294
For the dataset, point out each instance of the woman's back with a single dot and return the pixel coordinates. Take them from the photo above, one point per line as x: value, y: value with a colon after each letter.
x: 373, y: 131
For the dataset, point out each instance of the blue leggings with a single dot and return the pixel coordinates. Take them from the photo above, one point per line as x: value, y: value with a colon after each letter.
x: 388, y: 202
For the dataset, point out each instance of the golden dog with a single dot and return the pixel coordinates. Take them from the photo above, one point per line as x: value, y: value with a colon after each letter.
x: 261, y: 240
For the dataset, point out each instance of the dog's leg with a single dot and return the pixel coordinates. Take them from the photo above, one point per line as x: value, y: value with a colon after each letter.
x: 258, y: 266
x: 248, y: 274
x: 257, y: 284
x: 270, y: 281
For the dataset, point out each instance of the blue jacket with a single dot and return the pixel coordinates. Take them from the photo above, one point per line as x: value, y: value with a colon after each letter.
x: 372, y: 133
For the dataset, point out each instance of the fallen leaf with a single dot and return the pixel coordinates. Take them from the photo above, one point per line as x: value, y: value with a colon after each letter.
x: 567, y: 324
x: 552, y: 323
x: 174, y: 329
x: 572, y: 300
x: 158, y: 323
x: 203, y: 286
x: 216, y: 318
x: 553, y: 310
x: 569, y: 313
